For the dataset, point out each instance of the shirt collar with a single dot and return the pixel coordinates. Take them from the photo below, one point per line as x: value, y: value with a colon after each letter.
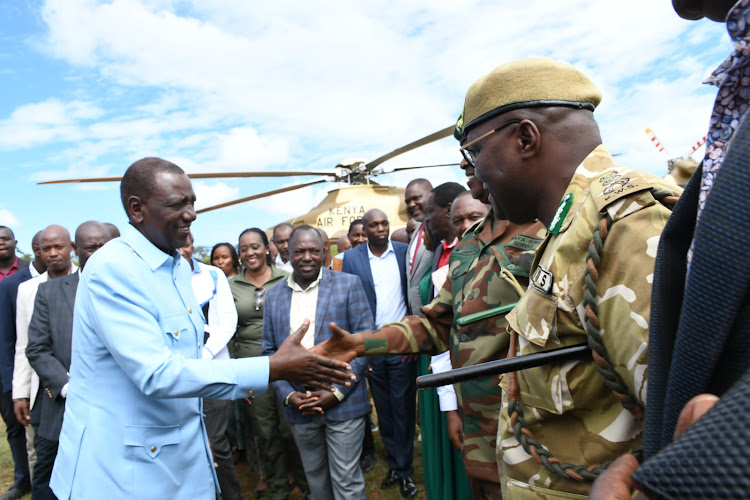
x: 275, y: 273
x: 279, y: 262
x: 387, y: 251
x: 296, y: 288
x: 146, y: 250
x: 196, y: 266
x: 33, y: 270
x: 590, y: 168
x: 452, y: 244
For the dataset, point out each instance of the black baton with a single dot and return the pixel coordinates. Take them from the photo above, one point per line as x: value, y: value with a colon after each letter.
x: 559, y: 355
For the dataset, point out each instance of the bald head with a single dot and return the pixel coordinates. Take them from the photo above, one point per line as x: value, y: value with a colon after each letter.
x: 377, y: 230
x: 90, y: 237
x: 343, y: 244
x: 326, y: 248
x: 112, y: 229
x: 56, y: 249
x: 401, y: 235
x: 36, y: 247
x: 415, y: 197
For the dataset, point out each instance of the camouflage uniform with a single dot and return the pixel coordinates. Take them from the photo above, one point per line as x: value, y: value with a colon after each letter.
x: 567, y: 406
x: 475, y: 283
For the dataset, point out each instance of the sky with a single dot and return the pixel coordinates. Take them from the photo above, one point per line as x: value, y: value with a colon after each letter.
x: 90, y: 87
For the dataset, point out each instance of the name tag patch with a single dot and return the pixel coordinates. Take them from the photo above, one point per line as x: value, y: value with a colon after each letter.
x: 542, y: 280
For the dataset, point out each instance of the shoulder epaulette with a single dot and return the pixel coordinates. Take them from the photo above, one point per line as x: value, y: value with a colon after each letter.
x: 617, y: 184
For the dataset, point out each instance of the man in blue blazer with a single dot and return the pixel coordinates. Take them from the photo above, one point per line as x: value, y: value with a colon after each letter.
x: 133, y: 424
x: 327, y: 427
x: 381, y: 265
x: 15, y: 431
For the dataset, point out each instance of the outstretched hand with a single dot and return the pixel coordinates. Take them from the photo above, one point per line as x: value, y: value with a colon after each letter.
x: 342, y: 345
x: 302, y: 366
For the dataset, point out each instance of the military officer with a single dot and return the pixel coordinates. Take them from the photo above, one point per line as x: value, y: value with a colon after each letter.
x: 486, y: 278
x: 530, y: 134
x: 535, y: 145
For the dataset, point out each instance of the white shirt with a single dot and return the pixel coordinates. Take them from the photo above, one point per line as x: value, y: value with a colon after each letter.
x: 284, y: 266
x: 386, y: 277
x: 222, y: 314
x: 303, y: 306
x: 25, y: 379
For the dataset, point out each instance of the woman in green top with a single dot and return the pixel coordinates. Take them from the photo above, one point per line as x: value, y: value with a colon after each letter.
x: 264, y: 413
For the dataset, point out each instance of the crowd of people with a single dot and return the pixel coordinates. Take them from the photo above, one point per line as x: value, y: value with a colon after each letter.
x: 136, y: 371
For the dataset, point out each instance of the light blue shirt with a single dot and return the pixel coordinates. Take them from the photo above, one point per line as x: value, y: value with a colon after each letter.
x: 133, y: 425
x: 386, y: 277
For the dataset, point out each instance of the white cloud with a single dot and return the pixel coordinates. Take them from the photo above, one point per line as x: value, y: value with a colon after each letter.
x: 8, y: 219
x: 209, y: 194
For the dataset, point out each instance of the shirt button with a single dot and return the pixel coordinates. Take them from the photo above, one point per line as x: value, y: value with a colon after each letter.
x: 250, y: 393
x: 176, y: 333
x: 190, y: 310
x: 200, y: 345
x: 463, y: 337
x: 153, y: 449
x: 175, y: 277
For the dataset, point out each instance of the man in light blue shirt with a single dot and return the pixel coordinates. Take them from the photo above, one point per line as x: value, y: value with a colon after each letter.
x: 132, y: 425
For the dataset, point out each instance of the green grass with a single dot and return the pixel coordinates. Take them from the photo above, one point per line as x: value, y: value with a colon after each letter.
x: 6, y: 464
x: 248, y: 480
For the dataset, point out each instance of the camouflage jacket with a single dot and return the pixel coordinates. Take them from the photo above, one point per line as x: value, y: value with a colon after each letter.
x: 567, y: 406
x: 476, y: 282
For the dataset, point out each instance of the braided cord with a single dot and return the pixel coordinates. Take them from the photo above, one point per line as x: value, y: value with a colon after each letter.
x: 591, y: 278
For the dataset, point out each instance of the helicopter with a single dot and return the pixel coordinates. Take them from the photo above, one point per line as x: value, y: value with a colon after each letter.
x: 342, y: 205
x: 680, y: 168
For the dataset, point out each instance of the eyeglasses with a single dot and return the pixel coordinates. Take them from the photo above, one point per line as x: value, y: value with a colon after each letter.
x: 260, y: 298
x: 471, y: 156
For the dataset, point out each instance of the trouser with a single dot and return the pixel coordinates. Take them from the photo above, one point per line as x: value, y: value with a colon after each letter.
x: 17, y: 441
x: 216, y: 416
x: 394, y: 391
x: 276, y: 443
x: 46, y: 451
x: 330, y: 454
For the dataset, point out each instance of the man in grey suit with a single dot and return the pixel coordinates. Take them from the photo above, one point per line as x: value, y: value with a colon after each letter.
x: 48, y: 352
x: 418, y: 257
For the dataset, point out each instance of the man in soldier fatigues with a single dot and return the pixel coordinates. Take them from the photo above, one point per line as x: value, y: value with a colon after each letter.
x: 535, y: 144
x: 480, y: 290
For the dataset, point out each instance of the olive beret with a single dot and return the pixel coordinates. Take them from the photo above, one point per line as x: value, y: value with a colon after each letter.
x: 528, y: 83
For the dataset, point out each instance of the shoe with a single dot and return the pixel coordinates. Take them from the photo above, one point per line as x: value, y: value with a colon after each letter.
x: 367, y: 463
x: 389, y: 480
x: 408, y: 488
x: 14, y: 493
x: 373, y: 425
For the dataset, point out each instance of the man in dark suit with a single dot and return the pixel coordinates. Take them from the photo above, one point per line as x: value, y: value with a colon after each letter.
x: 328, y: 426
x: 48, y: 352
x: 14, y: 430
x: 418, y: 257
x: 381, y: 265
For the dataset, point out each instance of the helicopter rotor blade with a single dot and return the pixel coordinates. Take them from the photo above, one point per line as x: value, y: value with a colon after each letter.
x: 440, y: 134
x: 215, y: 175
x: 401, y: 169
x: 90, y: 179
x: 261, y: 195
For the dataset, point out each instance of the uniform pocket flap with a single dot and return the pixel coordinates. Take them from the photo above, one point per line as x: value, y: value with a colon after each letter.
x: 536, y: 311
x: 152, y: 437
